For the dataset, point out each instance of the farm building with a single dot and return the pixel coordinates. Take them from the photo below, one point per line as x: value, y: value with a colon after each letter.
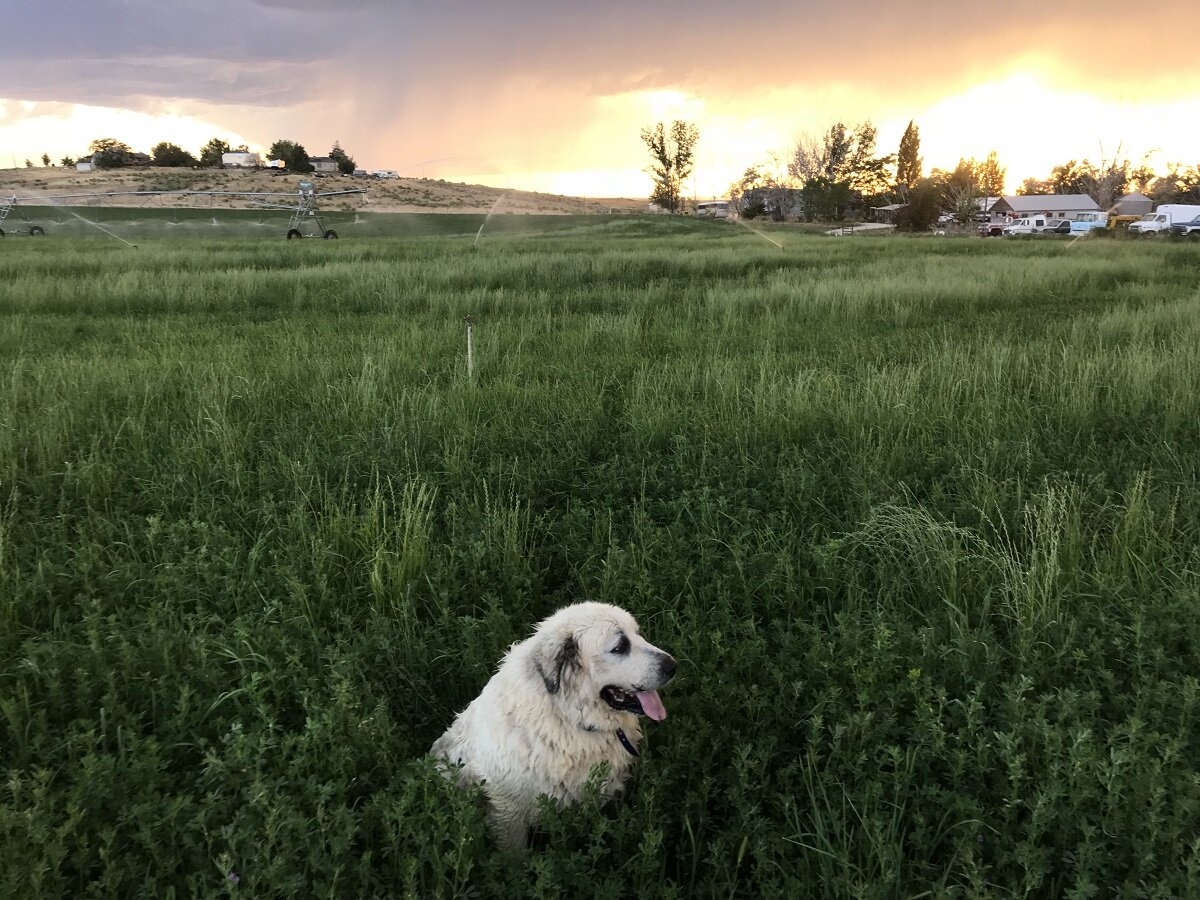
x: 1133, y: 205
x: 85, y: 165
x: 1063, y: 206
x: 887, y: 214
x: 324, y: 164
x: 241, y: 160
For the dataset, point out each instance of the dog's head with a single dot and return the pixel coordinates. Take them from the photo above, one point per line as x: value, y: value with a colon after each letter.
x: 593, y: 657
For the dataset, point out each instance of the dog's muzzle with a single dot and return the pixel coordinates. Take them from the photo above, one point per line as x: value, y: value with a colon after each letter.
x: 638, y: 701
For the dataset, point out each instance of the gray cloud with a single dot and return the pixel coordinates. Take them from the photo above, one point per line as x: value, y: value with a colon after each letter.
x: 381, y: 70
x: 112, y: 51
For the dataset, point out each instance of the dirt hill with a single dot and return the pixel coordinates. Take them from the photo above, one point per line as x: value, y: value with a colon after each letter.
x: 383, y: 195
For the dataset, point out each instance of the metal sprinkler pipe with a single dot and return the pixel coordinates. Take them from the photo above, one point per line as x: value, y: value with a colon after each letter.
x: 470, y: 354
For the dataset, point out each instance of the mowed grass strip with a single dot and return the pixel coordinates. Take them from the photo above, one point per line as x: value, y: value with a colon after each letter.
x: 919, y: 519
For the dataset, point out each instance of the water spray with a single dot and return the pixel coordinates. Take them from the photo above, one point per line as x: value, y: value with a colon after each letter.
x: 51, y: 201
x: 759, y: 233
x: 485, y: 221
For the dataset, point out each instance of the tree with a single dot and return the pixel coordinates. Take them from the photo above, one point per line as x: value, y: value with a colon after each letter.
x: 66, y: 161
x: 923, y: 207
x: 1105, y: 183
x: 908, y: 159
x: 747, y: 195
x: 1032, y: 186
x: 294, y: 156
x: 46, y: 160
x: 171, y: 156
x: 212, y: 152
x: 673, y: 154
x: 963, y: 201
x: 991, y: 176
x: 965, y: 177
x: 1068, y: 177
x: 345, y: 163
x: 765, y: 190
x: 1179, y: 185
x: 109, y: 153
x: 839, y: 170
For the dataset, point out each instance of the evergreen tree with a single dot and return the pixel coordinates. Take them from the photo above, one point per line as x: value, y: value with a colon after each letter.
x: 908, y: 159
x: 345, y: 163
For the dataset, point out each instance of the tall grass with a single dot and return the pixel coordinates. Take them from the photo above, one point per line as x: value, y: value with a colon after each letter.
x: 918, y: 518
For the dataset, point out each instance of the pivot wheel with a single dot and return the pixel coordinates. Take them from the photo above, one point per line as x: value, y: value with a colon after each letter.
x: 293, y: 233
x: 35, y: 230
x: 331, y: 235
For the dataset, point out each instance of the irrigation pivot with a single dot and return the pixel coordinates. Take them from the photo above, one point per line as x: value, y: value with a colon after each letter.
x: 27, y: 227
x: 304, y: 206
x: 305, y: 214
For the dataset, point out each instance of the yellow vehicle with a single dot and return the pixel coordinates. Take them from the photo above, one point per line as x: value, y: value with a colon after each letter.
x: 1121, y: 223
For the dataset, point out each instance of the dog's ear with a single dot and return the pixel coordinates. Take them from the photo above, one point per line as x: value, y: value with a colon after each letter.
x: 556, y: 658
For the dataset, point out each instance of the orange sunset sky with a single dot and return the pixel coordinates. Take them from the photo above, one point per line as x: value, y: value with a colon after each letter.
x: 551, y: 96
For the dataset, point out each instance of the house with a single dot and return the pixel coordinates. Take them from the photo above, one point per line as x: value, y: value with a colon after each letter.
x: 1060, y: 206
x: 324, y: 164
x: 241, y: 160
x: 85, y: 165
x: 778, y: 203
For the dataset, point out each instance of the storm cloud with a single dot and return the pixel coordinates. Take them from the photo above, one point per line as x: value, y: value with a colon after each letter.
x: 527, y: 79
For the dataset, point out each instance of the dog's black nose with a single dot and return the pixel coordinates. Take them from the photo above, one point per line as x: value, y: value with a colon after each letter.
x: 667, y: 666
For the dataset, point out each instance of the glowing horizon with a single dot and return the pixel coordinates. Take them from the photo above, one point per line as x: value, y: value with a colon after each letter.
x: 1048, y: 126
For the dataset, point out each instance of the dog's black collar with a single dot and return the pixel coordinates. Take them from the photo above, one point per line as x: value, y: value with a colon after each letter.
x: 625, y: 742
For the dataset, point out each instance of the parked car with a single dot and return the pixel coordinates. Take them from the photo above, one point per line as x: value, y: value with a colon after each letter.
x: 1187, y: 229
x: 992, y: 229
x: 1057, y: 226
x: 1028, y: 225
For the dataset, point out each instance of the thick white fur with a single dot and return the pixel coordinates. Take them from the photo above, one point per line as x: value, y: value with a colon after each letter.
x: 521, y: 740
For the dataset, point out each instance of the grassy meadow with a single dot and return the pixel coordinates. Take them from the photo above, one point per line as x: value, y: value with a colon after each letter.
x: 918, y: 517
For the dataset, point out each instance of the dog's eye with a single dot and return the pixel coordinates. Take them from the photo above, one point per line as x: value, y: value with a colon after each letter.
x: 622, y: 646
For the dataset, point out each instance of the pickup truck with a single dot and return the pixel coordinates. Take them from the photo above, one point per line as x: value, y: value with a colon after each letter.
x: 1161, y: 220
x: 1085, y: 222
x: 1030, y: 225
x: 1187, y: 229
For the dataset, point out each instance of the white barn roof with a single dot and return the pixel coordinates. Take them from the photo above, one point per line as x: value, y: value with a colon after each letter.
x: 1024, y: 204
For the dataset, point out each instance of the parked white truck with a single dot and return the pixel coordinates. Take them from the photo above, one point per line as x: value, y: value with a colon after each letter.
x: 1161, y: 220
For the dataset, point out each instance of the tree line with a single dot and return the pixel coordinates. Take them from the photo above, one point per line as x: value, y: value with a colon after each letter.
x: 840, y: 173
x: 109, y: 153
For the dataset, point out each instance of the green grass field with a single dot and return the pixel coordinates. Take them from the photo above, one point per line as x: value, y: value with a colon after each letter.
x: 918, y: 517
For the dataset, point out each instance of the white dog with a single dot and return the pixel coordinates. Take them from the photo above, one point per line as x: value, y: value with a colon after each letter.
x: 562, y: 702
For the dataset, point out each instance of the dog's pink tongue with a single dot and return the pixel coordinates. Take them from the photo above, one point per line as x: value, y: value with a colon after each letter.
x: 651, y: 705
